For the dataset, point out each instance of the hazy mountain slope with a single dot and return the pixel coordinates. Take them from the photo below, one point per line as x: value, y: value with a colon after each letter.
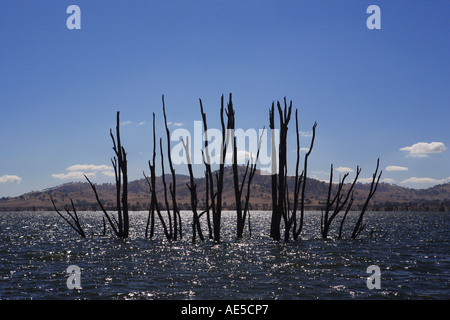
x: 388, y: 197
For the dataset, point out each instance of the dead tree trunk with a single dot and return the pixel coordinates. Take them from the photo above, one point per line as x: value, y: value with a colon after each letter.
x: 241, y: 226
x: 216, y: 197
x: 219, y: 177
x: 166, y: 199
x: 207, y: 205
x: 177, y: 227
x: 337, y: 202
x: 121, y: 225
x: 237, y: 188
x: 154, y: 205
x: 252, y: 172
x: 285, y: 116
x: 281, y: 201
x: 208, y: 175
x: 303, y: 181
x: 279, y: 209
x: 121, y: 176
x: 151, y: 184
x: 242, y: 207
x: 359, y: 227
x: 151, y: 213
x: 75, y: 224
x: 276, y: 217
x: 196, y: 227
x: 297, y: 181
x: 345, y: 215
x: 113, y: 225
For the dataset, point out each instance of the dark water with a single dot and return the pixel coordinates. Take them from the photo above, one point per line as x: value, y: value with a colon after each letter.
x: 412, y: 252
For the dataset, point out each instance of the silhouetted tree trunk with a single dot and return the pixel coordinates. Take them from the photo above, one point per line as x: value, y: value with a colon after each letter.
x: 280, y: 208
x: 345, y: 215
x: 75, y: 224
x: 207, y: 205
x: 166, y: 199
x: 177, y: 227
x: 154, y: 205
x: 219, y: 177
x: 120, y: 226
x: 121, y: 175
x: 276, y: 217
x: 151, y: 212
x: 297, y: 181
x: 216, y: 197
x: 112, y: 224
x: 337, y: 202
x: 359, y: 227
x: 196, y: 227
x: 303, y: 181
x: 241, y: 212
x: 210, y: 195
x: 281, y: 203
x: 247, y: 196
x: 237, y: 188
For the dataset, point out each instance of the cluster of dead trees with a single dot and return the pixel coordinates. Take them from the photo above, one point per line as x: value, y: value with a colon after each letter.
x: 286, y: 209
x: 288, y: 201
x: 214, y: 183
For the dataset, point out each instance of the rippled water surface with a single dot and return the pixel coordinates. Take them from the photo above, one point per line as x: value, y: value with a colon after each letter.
x: 411, y: 249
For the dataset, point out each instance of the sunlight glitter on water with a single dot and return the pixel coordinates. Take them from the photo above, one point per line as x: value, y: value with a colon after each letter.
x: 37, y: 248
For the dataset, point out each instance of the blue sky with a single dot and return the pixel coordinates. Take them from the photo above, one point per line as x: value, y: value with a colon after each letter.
x: 374, y: 93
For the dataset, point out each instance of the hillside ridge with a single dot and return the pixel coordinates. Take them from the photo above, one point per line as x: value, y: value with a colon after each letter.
x: 388, y: 197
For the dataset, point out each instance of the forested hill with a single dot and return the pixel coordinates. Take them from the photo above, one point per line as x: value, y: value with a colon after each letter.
x: 388, y: 197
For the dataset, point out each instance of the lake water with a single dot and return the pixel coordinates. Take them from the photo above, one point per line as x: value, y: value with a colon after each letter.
x: 412, y: 252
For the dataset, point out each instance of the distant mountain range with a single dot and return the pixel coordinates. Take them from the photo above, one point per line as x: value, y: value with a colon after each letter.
x: 387, y: 198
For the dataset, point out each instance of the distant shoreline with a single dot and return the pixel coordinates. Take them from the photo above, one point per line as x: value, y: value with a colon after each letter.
x: 388, y: 197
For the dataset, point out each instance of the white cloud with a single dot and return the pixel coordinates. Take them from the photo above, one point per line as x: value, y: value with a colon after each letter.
x: 74, y: 175
x: 365, y: 180
x: 109, y: 173
x: 141, y: 123
x: 422, y: 149
x: 77, y: 171
x: 301, y: 150
x: 425, y: 180
x: 242, y: 157
x: 125, y: 123
x: 388, y: 180
x: 89, y: 167
x: 396, y: 168
x: 305, y: 133
x: 418, y: 155
x: 8, y: 178
x: 344, y: 169
x: 176, y: 124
